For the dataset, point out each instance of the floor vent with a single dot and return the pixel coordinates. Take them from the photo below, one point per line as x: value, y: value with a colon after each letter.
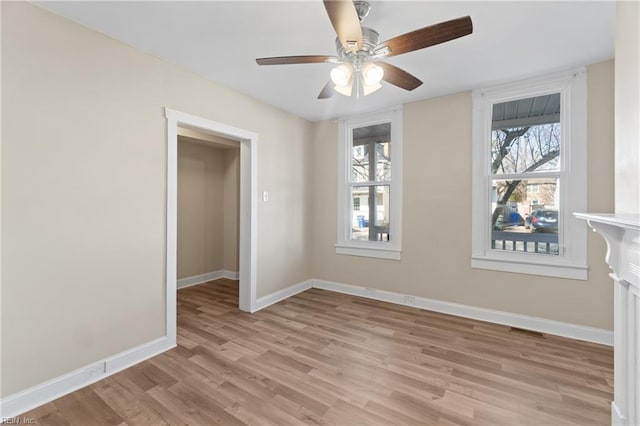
x: 525, y: 331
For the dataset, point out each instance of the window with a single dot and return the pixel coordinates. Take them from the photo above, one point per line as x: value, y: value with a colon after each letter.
x: 529, y: 176
x: 356, y: 204
x: 533, y: 188
x: 370, y: 185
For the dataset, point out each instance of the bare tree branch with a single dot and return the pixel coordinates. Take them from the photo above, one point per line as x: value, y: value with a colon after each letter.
x: 503, y: 150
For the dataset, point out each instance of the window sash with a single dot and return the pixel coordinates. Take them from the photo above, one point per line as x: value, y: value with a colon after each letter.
x: 371, y: 153
x: 561, y: 228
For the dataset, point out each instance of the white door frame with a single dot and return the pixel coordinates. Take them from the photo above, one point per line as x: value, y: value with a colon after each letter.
x: 248, y: 207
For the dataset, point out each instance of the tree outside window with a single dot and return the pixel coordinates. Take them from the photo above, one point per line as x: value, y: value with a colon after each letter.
x: 525, y: 168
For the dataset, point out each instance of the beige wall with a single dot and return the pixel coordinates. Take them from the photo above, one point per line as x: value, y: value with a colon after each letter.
x: 207, y: 209
x: 231, y: 209
x: 627, y: 107
x: 436, y: 223
x: 83, y: 192
x: 83, y: 195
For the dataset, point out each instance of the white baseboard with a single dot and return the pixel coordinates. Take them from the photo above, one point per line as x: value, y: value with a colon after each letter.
x: 23, y: 401
x: 279, y: 295
x: 28, y: 399
x: 209, y: 276
x: 230, y: 275
x: 558, y: 328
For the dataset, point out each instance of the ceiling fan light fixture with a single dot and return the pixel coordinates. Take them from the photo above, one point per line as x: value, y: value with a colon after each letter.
x: 360, y: 68
x: 341, y: 75
x: 372, y: 74
x: 345, y: 89
x: 369, y: 89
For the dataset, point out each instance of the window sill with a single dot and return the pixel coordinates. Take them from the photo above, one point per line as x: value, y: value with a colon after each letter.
x: 557, y: 270
x: 376, y: 252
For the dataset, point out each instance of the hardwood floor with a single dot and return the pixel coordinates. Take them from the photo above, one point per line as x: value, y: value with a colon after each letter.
x: 326, y: 358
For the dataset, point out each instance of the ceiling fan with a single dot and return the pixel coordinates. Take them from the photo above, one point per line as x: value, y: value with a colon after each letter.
x: 360, y: 68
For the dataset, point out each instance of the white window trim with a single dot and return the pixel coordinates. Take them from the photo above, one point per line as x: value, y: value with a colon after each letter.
x: 572, y: 237
x: 377, y: 249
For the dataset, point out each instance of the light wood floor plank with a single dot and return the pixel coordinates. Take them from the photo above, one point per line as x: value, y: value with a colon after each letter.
x: 322, y: 358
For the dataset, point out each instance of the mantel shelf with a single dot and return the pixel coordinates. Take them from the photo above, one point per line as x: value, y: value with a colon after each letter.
x: 627, y: 221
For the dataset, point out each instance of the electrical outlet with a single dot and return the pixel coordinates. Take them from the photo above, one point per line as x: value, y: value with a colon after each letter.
x: 265, y: 196
x: 95, y: 370
x: 409, y: 300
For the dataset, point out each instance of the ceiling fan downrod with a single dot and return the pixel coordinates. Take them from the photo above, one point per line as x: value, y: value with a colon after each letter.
x: 362, y: 8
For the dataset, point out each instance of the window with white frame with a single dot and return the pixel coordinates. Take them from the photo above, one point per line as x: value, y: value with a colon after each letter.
x: 529, y: 176
x: 370, y: 185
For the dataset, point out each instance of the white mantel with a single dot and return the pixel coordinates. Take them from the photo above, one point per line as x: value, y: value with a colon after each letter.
x: 622, y: 234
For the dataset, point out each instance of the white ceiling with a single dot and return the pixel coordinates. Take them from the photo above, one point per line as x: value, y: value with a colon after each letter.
x: 220, y: 40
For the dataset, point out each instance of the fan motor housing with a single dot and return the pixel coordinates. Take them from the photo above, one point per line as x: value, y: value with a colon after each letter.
x: 370, y: 39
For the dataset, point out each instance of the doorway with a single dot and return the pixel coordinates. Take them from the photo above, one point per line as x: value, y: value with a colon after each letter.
x: 208, y: 208
x: 247, y: 210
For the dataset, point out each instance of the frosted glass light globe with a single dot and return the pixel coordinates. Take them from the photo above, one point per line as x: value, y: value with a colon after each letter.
x: 341, y: 74
x: 372, y: 74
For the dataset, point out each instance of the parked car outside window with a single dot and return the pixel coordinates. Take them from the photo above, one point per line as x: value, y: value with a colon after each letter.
x: 544, y: 220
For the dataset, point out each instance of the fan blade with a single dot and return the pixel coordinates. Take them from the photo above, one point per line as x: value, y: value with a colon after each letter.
x: 327, y: 91
x: 286, y: 60
x: 344, y: 18
x: 428, y: 36
x: 399, y: 77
